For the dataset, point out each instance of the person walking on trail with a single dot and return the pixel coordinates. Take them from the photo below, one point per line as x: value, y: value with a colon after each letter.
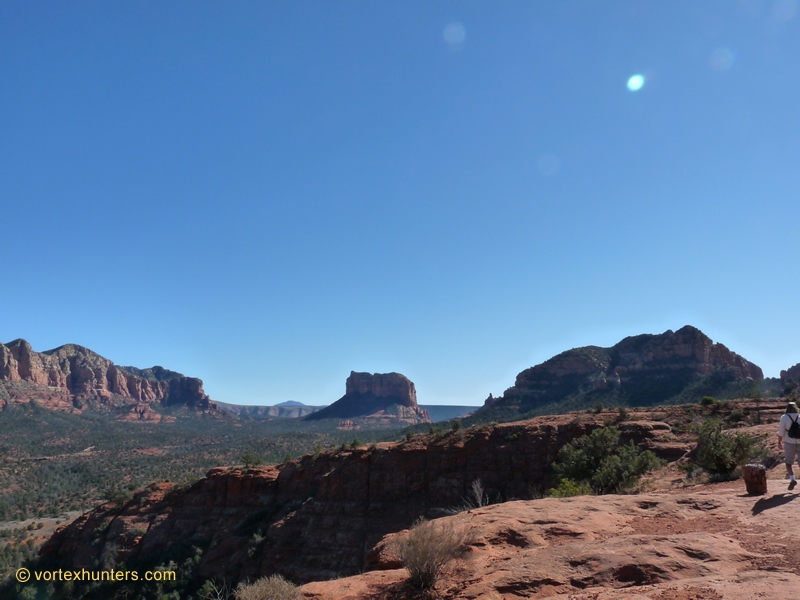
x: 789, y: 440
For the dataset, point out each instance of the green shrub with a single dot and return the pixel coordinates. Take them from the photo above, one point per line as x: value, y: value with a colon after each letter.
x: 721, y: 452
x: 568, y: 488
x: 274, y: 587
x: 250, y: 460
x: 117, y: 496
x: 622, y: 414
x: 429, y: 547
x: 600, y: 460
x: 736, y: 415
x: 456, y: 425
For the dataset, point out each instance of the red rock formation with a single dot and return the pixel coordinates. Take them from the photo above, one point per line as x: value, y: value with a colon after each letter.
x: 383, y: 397
x: 638, y: 371
x: 791, y: 374
x: 72, y: 378
x: 320, y: 515
x: 702, y: 543
x: 383, y: 385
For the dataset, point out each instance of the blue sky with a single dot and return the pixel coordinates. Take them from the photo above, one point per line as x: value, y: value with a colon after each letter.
x: 268, y: 195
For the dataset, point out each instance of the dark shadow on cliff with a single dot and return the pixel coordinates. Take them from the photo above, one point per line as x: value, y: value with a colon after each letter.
x: 772, y: 502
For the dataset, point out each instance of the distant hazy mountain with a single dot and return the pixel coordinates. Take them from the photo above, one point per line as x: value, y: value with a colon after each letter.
x: 443, y: 412
x: 284, y: 410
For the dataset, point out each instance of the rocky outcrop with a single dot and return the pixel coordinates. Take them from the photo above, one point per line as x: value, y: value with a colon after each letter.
x: 642, y: 370
x: 318, y: 517
x: 792, y: 374
x: 709, y: 542
x: 381, y: 397
x: 74, y: 378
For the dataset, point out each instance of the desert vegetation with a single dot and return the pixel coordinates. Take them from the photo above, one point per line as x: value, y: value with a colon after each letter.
x: 274, y: 587
x: 429, y: 548
x: 721, y: 452
x: 56, y: 463
x: 599, y: 463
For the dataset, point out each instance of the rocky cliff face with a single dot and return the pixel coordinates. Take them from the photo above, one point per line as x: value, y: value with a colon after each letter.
x: 707, y: 542
x: 383, y: 396
x: 792, y: 374
x: 317, y: 517
x: 74, y: 378
x: 638, y: 371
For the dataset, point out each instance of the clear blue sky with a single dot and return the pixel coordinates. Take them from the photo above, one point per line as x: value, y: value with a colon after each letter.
x: 268, y: 195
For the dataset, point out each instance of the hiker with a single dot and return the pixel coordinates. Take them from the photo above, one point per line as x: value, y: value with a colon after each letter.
x: 790, y: 429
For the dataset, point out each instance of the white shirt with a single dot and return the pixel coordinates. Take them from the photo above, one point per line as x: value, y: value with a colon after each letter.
x: 783, y: 428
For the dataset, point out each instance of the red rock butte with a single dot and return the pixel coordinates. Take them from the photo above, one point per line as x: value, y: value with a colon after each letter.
x: 376, y: 395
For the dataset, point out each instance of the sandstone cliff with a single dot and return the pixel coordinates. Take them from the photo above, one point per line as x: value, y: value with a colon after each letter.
x: 706, y: 542
x: 319, y: 516
x: 642, y: 370
x: 74, y: 378
x: 792, y: 374
x: 383, y: 396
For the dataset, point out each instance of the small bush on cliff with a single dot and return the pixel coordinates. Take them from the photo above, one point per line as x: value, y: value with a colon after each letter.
x: 117, y: 496
x: 568, y: 488
x: 250, y: 460
x: 599, y: 460
x: 707, y: 401
x: 268, y: 588
x: 211, y: 590
x: 429, y: 548
x: 720, y: 453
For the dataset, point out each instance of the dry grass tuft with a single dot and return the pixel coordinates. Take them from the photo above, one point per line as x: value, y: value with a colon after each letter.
x: 274, y: 587
x: 429, y: 548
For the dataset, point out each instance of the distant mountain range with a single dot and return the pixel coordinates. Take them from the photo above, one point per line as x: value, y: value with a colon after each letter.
x: 294, y: 410
x: 642, y: 370
x: 284, y: 410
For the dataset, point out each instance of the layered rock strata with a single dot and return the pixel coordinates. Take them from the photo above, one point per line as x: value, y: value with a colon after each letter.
x: 317, y: 517
x: 638, y: 371
x: 704, y: 543
x: 382, y: 396
x: 74, y: 378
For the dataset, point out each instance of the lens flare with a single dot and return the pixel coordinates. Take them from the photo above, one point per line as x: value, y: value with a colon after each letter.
x: 636, y: 82
x: 454, y: 34
x: 721, y: 59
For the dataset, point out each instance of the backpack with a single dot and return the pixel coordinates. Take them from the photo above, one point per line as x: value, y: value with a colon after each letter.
x: 794, y: 429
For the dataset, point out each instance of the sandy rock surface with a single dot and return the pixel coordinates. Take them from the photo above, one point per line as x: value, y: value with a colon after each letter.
x: 708, y: 542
